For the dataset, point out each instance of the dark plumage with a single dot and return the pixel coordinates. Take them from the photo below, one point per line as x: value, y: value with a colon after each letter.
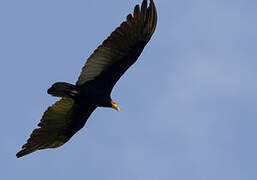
x: 93, y: 88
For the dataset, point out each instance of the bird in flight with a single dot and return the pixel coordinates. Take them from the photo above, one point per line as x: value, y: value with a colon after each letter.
x: 94, y: 86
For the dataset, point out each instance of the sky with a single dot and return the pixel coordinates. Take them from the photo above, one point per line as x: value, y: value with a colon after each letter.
x: 188, y: 105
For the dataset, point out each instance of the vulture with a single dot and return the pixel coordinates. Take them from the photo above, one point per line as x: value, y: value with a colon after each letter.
x: 95, y: 83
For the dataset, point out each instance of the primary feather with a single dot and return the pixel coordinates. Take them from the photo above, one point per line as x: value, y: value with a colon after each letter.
x: 121, y: 49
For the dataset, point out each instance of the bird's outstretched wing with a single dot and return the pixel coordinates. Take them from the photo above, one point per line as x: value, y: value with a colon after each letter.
x: 121, y: 49
x: 59, y: 122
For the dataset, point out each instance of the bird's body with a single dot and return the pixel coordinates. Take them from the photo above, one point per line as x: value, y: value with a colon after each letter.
x: 96, y: 81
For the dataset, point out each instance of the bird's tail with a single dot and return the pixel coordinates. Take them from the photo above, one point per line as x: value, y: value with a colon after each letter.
x: 63, y: 89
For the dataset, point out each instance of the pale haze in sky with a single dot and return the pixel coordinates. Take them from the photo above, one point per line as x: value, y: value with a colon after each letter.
x: 188, y: 105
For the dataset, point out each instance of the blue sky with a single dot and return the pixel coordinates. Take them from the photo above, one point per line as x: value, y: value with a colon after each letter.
x: 188, y: 106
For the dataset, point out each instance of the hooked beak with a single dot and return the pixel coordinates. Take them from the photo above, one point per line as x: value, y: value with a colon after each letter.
x: 114, y: 106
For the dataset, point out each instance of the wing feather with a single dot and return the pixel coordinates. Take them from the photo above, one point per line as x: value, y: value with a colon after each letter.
x: 122, y: 48
x: 59, y: 122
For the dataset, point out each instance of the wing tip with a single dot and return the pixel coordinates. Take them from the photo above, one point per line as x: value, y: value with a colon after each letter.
x: 24, y: 152
x: 20, y: 154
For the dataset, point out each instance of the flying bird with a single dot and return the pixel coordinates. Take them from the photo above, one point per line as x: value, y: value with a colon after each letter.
x: 94, y: 86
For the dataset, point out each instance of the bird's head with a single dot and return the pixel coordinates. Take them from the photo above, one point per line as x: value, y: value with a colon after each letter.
x: 104, y: 101
x: 114, y: 105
